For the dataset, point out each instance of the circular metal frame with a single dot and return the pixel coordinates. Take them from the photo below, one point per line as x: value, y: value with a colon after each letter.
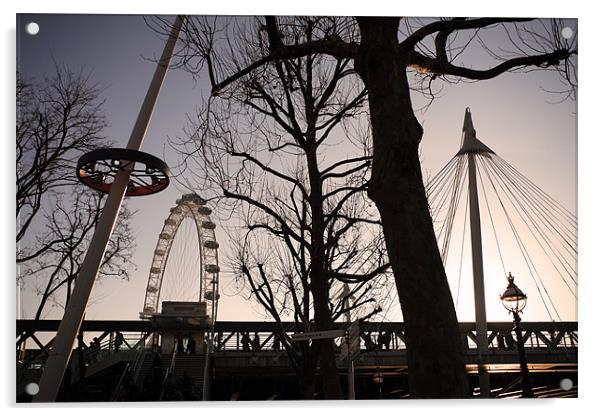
x: 189, y: 206
x: 98, y: 168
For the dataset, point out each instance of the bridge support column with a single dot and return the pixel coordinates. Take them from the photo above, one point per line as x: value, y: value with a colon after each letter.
x: 472, y: 147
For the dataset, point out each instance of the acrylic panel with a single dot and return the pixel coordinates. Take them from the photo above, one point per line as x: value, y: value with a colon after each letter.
x: 215, y: 208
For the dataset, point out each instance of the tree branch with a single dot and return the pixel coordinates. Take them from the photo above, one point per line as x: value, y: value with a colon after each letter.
x: 458, y: 23
x: 352, y: 278
x: 426, y: 64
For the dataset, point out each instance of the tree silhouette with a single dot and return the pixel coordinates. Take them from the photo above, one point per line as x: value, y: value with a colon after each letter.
x: 307, y: 224
x: 384, y: 52
x: 59, y: 119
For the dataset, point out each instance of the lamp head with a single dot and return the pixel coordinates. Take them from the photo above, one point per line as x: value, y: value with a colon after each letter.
x: 513, y: 299
x: 378, y: 377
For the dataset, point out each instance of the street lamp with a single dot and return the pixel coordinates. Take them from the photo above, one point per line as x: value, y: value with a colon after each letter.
x: 378, y: 379
x: 514, y: 300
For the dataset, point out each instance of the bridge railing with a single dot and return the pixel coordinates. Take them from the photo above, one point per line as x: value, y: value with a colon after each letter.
x: 230, y: 336
x: 391, y: 336
x: 95, y: 350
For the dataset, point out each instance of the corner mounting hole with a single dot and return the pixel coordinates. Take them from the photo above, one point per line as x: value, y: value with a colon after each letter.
x: 32, y: 28
x: 566, y: 384
x: 566, y: 32
x: 32, y: 389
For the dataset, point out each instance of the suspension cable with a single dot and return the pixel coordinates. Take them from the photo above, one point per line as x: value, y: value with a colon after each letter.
x: 518, y: 206
x: 526, y: 257
x: 497, y: 243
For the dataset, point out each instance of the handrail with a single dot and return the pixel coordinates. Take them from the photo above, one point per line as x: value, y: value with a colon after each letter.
x: 133, y: 367
x: 139, y: 362
x: 118, y: 388
x: 172, y: 364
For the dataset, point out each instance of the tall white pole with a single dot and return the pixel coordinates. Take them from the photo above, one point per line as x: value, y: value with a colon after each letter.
x: 58, y: 359
x: 478, y: 275
x: 472, y: 146
x: 477, y: 257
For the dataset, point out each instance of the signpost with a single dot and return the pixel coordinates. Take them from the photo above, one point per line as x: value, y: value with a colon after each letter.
x: 350, y: 349
x: 353, y: 340
x: 304, y: 336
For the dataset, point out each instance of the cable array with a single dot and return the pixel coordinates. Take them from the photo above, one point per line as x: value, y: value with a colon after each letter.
x: 541, y: 229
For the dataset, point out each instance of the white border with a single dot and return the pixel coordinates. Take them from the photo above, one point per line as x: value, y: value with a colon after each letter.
x: 589, y: 188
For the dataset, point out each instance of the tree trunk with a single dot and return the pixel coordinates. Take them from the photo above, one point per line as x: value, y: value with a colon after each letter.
x: 434, y: 351
x: 307, y: 376
x: 319, y: 282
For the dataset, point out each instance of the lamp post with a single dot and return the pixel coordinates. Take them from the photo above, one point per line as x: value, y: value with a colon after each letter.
x: 514, y: 300
x: 378, y: 379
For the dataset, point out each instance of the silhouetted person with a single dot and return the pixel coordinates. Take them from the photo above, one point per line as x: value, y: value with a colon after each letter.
x: 94, y: 349
x: 245, y: 341
x: 501, y: 345
x: 256, y: 342
x: 179, y: 344
x: 509, y: 341
x: 386, y: 340
x: 119, y: 340
x: 218, y: 340
x: 379, y: 341
x: 277, y: 341
x: 368, y: 343
x: 191, y: 345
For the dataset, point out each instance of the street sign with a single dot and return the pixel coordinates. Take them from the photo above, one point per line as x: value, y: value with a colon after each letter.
x: 354, y: 340
x: 303, y: 336
x: 350, y: 347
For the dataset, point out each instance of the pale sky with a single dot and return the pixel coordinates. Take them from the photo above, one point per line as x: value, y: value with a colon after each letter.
x: 511, y: 113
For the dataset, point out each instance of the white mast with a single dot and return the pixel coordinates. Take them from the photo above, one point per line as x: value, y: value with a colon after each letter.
x: 471, y: 146
x: 62, y: 347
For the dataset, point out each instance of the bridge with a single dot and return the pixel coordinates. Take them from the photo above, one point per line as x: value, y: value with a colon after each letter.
x: 552, y: 349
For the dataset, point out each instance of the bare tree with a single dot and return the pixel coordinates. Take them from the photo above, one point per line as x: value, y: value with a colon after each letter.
x: 309, y: 226
x: 58, y: 120
x: 69, y: 226
x: 384, y: 51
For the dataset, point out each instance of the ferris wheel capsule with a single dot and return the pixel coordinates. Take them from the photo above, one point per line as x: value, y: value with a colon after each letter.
x: 204, y: 210
x: 212, y: 268
x: 211, y: 244
x: 209, y: 225
x: 209, y: 295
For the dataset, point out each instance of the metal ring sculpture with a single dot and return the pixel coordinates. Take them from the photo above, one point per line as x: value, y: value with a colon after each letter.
x: 98, y: 168
x: 189, y: 206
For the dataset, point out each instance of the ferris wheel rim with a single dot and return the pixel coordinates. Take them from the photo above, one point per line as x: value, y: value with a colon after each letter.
x: 189, y: 206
